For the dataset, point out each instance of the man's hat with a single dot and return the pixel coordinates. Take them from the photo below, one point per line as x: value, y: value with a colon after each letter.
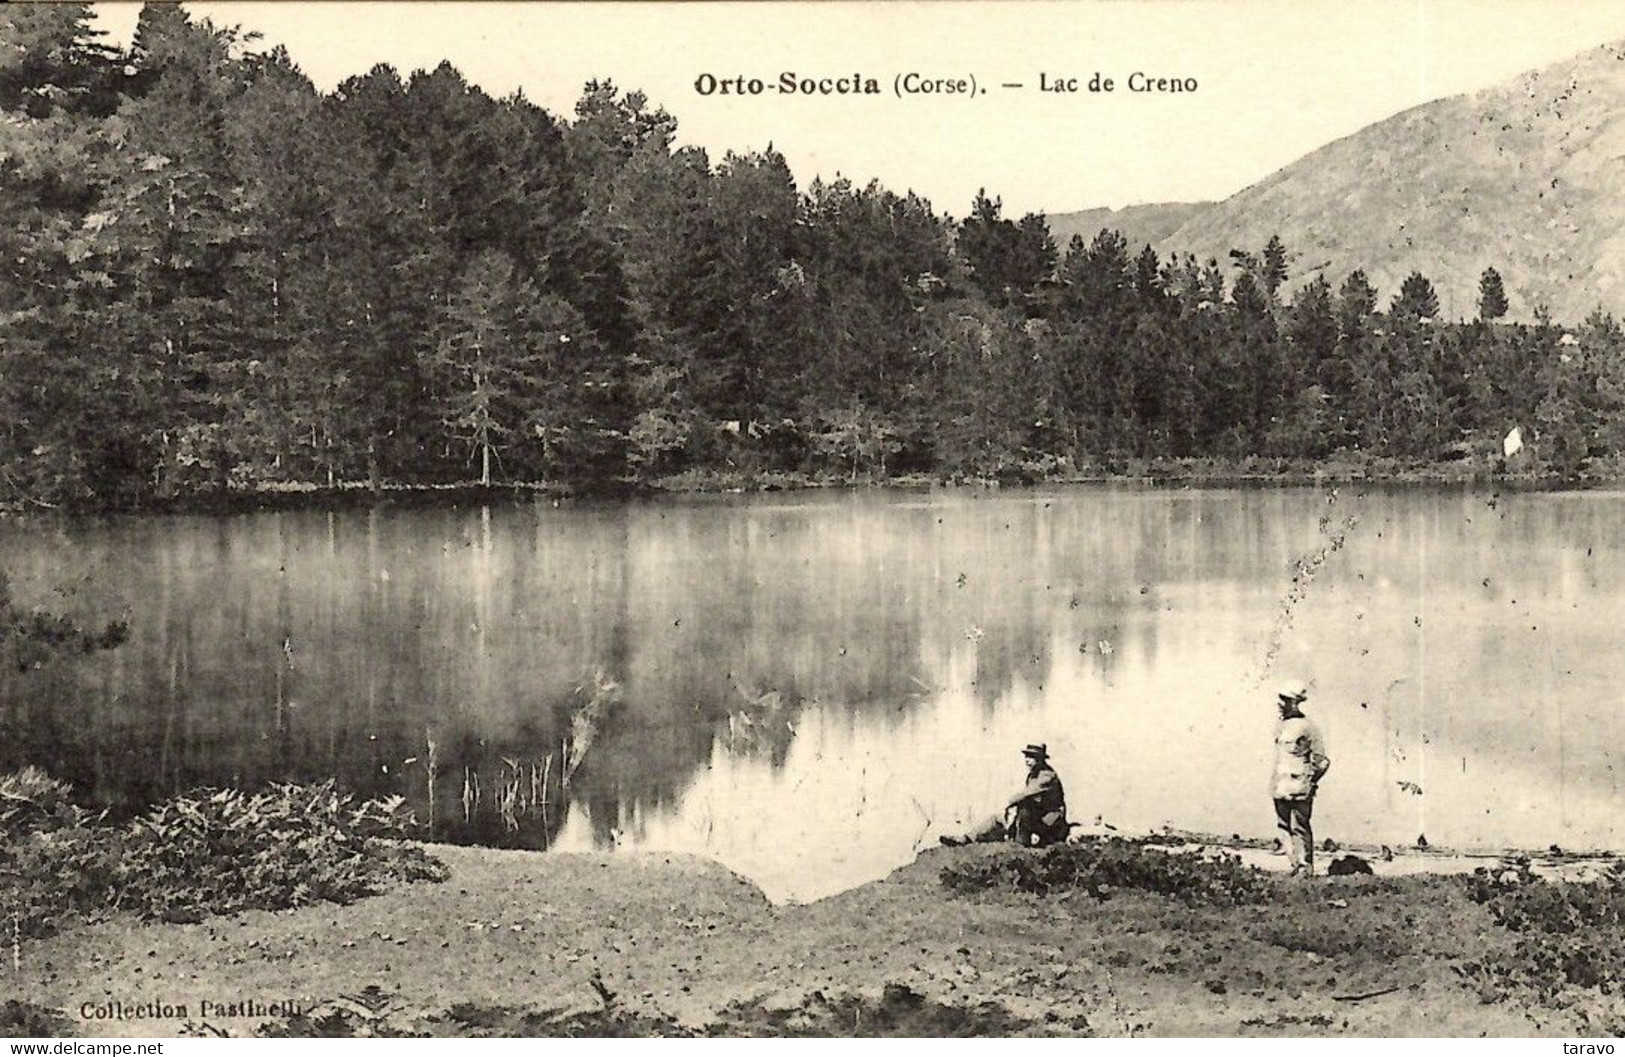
x: 1292, y: 690
x: 1038, y: 750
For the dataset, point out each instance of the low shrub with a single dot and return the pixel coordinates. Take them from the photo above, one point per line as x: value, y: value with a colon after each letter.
x: 48, y: 877
x: 1522, y: 902
x: 1571, y: 937
x: 1554, y: 970
x: 223, y: 851
x: 204, y: 853
x: 1102, y: 867
x: 31, y: 801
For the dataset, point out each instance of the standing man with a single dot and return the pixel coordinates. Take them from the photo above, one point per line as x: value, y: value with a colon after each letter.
x: 1300, y: 763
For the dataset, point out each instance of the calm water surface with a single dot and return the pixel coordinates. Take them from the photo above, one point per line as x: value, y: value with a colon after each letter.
x: 809, y: 688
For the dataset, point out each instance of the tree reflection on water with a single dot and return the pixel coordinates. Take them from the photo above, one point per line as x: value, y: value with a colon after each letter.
x: 841, y: 670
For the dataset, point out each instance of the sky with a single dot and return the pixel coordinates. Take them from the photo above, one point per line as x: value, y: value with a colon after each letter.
x: 1274, y: 79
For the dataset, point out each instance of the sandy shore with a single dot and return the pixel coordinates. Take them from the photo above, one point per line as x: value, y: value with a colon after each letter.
x: 684, y: 939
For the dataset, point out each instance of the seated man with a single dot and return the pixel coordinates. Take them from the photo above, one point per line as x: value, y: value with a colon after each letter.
x: 1040, y: 809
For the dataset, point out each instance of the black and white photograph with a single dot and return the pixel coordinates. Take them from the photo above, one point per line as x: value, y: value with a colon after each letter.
x: 935, y: 518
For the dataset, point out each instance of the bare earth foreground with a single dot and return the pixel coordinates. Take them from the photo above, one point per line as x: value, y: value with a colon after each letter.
x: 675, y: 943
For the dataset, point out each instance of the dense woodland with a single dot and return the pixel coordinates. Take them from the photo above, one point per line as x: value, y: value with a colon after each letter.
x: 217, y: 277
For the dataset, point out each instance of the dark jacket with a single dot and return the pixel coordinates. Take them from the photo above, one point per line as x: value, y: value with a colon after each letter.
x: 1041, y: 809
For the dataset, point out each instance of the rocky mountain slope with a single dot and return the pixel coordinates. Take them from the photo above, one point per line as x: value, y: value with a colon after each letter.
x: 1140, y: 224
x: 1526, y: 177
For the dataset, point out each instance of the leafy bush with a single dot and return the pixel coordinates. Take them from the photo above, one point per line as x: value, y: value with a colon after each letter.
x: 1571, y: 937
x: 1524, y: 903
x: 50, y: 876
x: 223, y: 851
x: 202, y: 853
x: 1554, y: 970
x: 31, y: 801
x: 1102, y: 867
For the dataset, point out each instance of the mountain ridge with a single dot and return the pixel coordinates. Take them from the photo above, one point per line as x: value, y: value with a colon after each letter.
x: 1519, y: 176
x: 1147, y: 223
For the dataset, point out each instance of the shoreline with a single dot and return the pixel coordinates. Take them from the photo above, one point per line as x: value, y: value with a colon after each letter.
x: 530, y: 943
x: 1553, y: 863
x: 1148, y: 473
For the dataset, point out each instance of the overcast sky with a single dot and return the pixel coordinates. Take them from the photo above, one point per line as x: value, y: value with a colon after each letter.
x: 1276, y: 79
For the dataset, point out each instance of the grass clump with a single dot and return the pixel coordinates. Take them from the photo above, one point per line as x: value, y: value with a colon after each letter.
x: 198, y: 854
x: 1331, y: 936
x: 1100, y: 868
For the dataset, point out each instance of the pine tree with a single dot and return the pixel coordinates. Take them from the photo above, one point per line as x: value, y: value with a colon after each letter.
x: 740, y: 287
x: 388, y: 264
x: 213, y: 275
x: 1148, y: 278
x: 1492, y: 297
x: 984, y: 247
x: 1356, y: 301
x: 1101, y: 277
x: 494, y: 345
x: 282, y: 157
x: 1033, y: 254
x: 1416, y: 299
x: 171, y: 231
x: 1312, y: 329
x: 1273, y: 270
x: 58, y: 84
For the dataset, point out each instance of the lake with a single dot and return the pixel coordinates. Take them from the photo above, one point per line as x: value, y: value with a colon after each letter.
x: 809, y: 687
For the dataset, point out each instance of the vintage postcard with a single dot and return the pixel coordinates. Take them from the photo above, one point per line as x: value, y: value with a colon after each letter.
x: 817, y: 519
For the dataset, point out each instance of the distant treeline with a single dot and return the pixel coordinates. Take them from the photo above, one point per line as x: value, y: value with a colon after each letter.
x: 215, y: 276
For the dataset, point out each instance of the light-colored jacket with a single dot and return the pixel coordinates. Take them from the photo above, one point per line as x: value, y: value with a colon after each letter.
x: 1300, y: 759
